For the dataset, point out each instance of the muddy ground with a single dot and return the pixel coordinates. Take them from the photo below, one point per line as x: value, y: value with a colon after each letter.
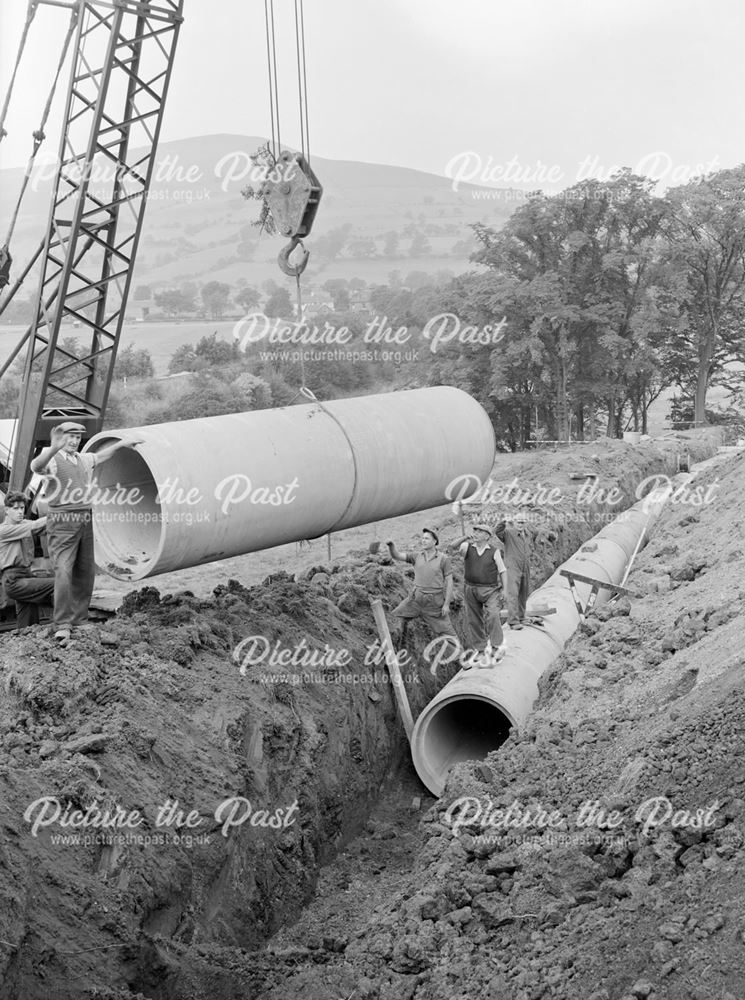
x: 341, y: 876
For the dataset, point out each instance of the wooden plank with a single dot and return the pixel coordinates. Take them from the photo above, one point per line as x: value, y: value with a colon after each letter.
x: 391, y: 660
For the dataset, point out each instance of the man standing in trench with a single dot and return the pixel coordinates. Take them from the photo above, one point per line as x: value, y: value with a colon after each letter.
x: 484, y: 570
x: 16, y: 558
x: 513, y: 533
x: 433, y: 587
x: 69, y: 523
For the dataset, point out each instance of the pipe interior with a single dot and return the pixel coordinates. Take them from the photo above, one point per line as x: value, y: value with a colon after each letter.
x: 128, y: 533
x: 462, y: 729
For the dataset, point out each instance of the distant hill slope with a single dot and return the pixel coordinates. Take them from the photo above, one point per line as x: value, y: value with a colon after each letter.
x: 196, y: 219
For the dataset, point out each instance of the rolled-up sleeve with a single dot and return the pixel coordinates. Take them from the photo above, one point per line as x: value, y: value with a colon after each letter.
x: 15, y: 532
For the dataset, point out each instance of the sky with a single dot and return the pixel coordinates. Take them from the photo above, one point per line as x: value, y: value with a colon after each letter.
x: 537, y: 93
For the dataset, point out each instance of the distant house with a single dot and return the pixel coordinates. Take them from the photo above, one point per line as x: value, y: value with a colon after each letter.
x: 359, y: 299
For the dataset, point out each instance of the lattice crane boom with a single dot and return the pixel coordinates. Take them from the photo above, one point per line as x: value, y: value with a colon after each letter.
x: 113, y: 114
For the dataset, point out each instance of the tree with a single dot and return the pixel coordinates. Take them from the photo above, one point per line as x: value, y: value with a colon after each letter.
x: 390, y: 243
x: 174, y: 302
x: 362, y: 246
x: 216, y: 352
x: 331, y: 244
x: 338, y: 289
x: 257, y: 392
x: 205, y: 397
x: 215, y: 296
x: 279, y: 304
x: 190, y: 291
x: 131, y: 363
x: 247, y: 298
x: 10, y: 390
x: 420, y: 245
x: 417, y: 279
x: 706, y: 232
x: 185, y: 359
x: 142, y: 292
x: 574, y: 272
x: 246, y: 243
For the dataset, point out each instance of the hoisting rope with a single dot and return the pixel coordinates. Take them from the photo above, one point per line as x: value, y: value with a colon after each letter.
x: 300, y: 320
x: 38, y: 138
x: 271, y: 58
x: 30, y: 13
x: 39, y: 135
x: 276, y: 140
x: 302, y: 83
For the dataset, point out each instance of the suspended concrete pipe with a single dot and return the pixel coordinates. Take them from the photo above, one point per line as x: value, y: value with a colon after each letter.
x: 196, y: 491
x: 473, y: 713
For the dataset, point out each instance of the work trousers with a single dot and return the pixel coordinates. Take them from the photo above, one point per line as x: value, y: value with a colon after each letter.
x: 28, y: 592
x: 70, y: 542
x: 482, y: 615
x: 428, y: 606
x: 518, y: 588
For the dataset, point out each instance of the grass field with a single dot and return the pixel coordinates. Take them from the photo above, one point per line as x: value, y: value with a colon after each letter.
x: 161, y: 339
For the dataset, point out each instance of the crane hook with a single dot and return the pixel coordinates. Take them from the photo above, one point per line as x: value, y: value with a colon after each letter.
x: 293, y: 270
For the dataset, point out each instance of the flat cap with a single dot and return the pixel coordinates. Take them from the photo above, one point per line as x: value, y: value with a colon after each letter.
x: 482, y: 526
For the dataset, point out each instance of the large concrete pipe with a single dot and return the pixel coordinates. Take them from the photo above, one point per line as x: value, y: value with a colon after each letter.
x: 201, y: 490
x: 473, y: 713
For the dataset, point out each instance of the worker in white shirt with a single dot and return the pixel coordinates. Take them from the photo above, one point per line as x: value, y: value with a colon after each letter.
x: 16, y: 562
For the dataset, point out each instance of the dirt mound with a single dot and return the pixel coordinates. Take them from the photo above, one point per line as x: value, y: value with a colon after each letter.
x: 599, y: 854
x: 171, y: 787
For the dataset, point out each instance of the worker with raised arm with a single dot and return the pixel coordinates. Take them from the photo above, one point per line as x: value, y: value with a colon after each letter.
x: 485, y: 588
x: 513, y: 533
x: 68, y: 491
x: 433, y: 586
x: 16, y: 562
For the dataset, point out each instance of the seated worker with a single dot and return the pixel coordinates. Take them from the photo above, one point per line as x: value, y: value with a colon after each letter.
x: 16, y: 556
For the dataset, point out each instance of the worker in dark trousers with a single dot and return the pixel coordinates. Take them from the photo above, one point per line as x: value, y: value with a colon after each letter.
x: 16, y: 559
x: 433, y: 586
x: 68, y: 492
x: 514, y: 535
x: 486, y: 580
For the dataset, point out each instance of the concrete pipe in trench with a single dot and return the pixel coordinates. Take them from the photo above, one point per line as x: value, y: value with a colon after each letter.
x: 196, y: 491
x: 473, y: 713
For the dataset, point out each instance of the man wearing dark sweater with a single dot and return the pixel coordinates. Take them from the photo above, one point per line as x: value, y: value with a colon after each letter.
x: 484, y: 572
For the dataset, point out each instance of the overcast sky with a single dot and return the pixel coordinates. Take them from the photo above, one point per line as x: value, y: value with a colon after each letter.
x: 560, y: 87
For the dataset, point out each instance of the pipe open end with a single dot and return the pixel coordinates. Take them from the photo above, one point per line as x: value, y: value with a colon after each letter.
x: 128, y: 518
x: 457, y: 729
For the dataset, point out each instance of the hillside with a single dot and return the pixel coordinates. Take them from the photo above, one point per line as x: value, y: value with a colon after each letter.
x: 196, y: 218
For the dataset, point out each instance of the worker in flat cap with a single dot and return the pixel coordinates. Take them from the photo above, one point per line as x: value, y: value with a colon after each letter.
x: 21, y: 581
x: 433, y: 586
x: 485, y: 588
x: 514, y: 533
x: 68, y: 491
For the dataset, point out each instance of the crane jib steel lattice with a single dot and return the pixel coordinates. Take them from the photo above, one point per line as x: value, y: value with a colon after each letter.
x: 123, y: 60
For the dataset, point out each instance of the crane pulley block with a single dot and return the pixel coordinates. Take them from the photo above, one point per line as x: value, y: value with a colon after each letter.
x: 292, y: 193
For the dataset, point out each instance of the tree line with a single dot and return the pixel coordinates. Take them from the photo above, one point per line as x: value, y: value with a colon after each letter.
x: 611, y: 295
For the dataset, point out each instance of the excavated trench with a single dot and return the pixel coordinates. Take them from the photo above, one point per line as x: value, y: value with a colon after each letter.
x: 182, y: 722
x: 389, y: 776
